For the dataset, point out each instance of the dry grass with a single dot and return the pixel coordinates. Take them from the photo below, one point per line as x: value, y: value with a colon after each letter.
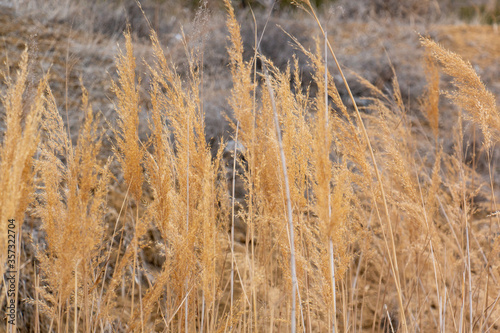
x: 356, y: 219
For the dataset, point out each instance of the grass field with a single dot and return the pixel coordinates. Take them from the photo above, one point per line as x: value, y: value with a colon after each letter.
x: 316, y: 167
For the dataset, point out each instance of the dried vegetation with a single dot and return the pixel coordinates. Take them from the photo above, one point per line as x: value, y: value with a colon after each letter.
x: 355, y: 219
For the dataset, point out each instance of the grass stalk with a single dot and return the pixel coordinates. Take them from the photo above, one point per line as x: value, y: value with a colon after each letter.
x: 293, y: 318
x: 252, y: 175
x: 76, y: 298
x: 332, y: 272
x: 471, y: 314
x: 327, y: 150
x: 232, y: 221
x: 186, y: 304
x: 134, y: 263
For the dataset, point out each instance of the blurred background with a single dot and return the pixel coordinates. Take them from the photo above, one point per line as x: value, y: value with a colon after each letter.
x: 78, y: 40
